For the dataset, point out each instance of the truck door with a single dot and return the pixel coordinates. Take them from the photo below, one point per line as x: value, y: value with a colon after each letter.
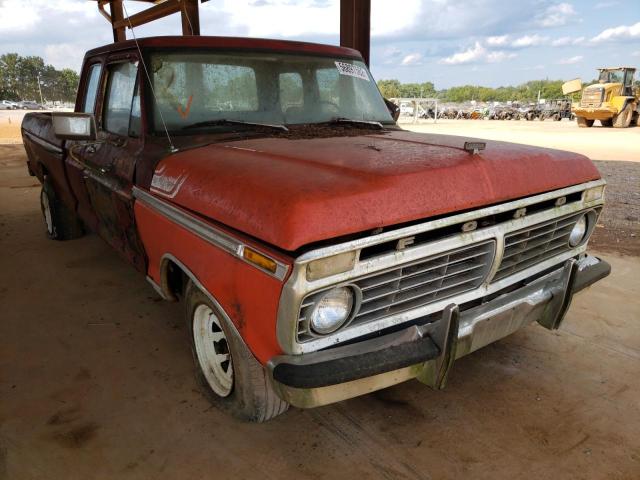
x: 109, y: 163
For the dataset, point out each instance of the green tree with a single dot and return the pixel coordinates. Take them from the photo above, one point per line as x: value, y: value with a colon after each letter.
x: 19, y: 77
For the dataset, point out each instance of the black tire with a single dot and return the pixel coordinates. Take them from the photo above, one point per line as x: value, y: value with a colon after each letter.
x: 60, y: 222
x: 584, y: 123
x: 252, y: 397
x: 623, y: 119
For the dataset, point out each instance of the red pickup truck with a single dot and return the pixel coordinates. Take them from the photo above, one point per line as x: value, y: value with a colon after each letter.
x: 321, y: 252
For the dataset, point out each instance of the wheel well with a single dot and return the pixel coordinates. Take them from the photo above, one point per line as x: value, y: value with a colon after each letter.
x: 173, y: 279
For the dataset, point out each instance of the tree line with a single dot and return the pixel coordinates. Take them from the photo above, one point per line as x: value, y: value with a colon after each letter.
x: 19, y: 78
x: 526, y: 92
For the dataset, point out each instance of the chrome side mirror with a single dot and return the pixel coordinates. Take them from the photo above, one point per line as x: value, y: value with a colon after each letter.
x: 74, y: 126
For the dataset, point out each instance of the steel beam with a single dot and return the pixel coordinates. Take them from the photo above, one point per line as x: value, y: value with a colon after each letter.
x: 355, y: 26
x: 190, y: 17
x: 117, y: 16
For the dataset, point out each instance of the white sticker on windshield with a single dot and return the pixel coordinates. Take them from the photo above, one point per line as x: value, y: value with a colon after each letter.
x: 352, y: 70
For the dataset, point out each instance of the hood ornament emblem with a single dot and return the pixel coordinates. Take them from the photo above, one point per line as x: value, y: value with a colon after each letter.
x: 474, y: 147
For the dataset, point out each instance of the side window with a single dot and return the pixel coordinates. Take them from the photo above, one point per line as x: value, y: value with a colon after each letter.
x: 291, y: 94
x: 118, y: 109
x: 92, y: 88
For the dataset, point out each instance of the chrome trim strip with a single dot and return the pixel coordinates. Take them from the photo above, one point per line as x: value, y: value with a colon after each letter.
x: 297, y: 287
x: 205, y: 231
x: 43, y: 143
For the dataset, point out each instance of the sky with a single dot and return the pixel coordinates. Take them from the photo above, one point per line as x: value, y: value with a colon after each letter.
x: 447, y: 42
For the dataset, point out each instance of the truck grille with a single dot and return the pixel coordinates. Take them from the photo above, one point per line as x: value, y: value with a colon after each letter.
x: 592, y: 97
x: 535, y: 244
x: 415, y: 284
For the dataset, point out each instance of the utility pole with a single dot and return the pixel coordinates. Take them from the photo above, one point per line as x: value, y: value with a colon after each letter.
x: 40, y: 90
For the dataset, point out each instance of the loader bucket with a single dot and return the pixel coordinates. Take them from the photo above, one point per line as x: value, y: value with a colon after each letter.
x: 571, y: 86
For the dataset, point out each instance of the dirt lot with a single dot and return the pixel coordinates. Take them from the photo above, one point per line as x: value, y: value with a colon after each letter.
x: 96, y: 382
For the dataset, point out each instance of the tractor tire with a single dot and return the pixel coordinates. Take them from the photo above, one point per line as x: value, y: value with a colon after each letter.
x: 226, y: 371
x: 623, y: 119
x: 607, y: 123
x: 583, y: 122
x: 556, y: 117
x: 61, y: 223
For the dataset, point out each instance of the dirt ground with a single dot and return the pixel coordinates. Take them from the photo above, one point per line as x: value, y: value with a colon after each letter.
x: 597, y: 142
x: 96, y: 383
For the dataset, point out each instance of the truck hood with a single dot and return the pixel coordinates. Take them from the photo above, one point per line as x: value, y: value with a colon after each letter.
x: 293, y: 192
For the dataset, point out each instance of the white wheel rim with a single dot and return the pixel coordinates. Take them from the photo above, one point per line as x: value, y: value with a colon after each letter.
x: 212, y: 350
x: 46, y: 210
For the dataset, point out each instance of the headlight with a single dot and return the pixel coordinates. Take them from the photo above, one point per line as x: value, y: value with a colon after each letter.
x: 579, y: 230
x: 331, y: 310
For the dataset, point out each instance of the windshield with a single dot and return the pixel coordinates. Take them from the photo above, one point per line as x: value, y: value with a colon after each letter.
x: 268, y: 88
x: 611, y: 76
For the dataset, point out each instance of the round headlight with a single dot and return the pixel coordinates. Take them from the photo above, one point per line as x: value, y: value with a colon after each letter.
x: 331, y: 310
x: 579, y: 230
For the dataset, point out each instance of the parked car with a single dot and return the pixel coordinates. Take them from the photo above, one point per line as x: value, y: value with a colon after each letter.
x: 8, y: 105
x: 320, y: 251
x: 29, y: 105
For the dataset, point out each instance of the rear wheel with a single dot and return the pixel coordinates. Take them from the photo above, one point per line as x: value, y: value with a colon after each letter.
x: 61, y: 223
x: 231, y: 378
x: 623, y: 119
x: 583, y: 122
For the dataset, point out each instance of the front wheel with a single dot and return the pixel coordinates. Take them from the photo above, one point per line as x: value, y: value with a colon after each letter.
x: 231, y: 378
x: 623, y: 119
x: 584, y: 123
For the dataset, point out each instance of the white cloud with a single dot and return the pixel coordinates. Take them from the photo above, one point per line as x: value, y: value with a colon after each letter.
x: 623, y: 32
x: 412, y: 59
x: 571, y: 60
x: 564, y: 41
x: 17, y: 16
x: 557, y: 15
x: 63, y: 55
x: 477, y: 54
x: 529, y: 41
x: 608, y: 4
x: 498, y: 41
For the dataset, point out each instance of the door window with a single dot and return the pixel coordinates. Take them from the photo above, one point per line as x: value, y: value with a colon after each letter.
x: 122, y: 107
x: 92, y: 88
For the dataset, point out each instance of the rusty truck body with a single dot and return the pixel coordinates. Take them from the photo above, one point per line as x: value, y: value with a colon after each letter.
x: 321, y: 251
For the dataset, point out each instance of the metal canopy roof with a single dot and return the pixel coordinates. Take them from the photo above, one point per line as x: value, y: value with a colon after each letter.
x: 355, y: 19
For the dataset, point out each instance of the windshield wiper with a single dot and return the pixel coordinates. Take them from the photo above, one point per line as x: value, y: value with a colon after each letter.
x: 225, y: 121
x: 353, y: 121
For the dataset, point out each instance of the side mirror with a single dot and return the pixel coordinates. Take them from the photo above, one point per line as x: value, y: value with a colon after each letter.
x: 74, y: 126
x: 394, y: 109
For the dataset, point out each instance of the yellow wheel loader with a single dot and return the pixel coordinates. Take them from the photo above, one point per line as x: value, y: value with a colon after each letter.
x: 613, y: 100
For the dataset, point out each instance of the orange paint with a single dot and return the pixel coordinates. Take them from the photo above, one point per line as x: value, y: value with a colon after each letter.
x: 185, y: 113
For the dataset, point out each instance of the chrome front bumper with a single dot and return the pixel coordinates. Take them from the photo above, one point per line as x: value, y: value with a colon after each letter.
x: 426, y: 352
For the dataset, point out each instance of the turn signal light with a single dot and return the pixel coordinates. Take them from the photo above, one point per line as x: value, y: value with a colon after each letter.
x: 258, y: 259
x: 593, y: 194
x: 324, y: 267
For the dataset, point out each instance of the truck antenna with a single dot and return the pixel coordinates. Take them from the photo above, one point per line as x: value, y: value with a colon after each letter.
x: 146, y: 72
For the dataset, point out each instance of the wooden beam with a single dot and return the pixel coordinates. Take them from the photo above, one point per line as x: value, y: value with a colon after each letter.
x: 190, y: 17
x: 149, y: 15
x: 355, y: 26
x: 117, y: 16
